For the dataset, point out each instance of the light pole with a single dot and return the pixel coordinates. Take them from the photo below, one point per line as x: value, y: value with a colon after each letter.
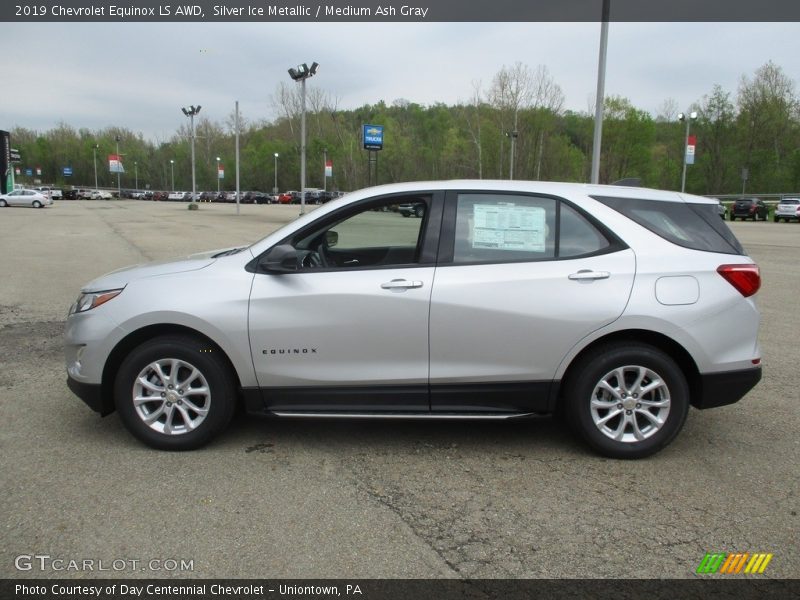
x: 688, y: 118
x: 94, y: 152
x: 119, y: 169
x: 301, y: 73
x: 172, y: 168
x: 275, y: 187
x: 218, y: 176
x: 191, y: 112
x: 597, y: 142
x: 136, y: 172
x: 513, y: 135
x: 325, y: 170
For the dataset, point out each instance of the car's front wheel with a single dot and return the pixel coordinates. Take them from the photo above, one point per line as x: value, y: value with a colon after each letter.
x: 37, y: 204
x: 175, y: 392
x: 627, y: 400
x: 3, y: 203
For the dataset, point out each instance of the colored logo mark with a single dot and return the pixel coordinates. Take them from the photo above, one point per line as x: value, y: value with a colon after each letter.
x: 733, y: 563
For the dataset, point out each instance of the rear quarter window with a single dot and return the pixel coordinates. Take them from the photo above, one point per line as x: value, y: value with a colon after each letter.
x: 694, y: 226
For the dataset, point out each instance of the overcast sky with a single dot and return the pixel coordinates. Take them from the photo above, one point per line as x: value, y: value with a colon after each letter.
x: 138, y: 75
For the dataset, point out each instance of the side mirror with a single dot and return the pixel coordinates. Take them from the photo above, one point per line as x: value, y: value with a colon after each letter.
x: 281, y: 259
x: 331, y: 238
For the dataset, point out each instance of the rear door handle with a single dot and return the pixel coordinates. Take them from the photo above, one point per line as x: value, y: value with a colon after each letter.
x: 587, y: 274
x: 401, y: 284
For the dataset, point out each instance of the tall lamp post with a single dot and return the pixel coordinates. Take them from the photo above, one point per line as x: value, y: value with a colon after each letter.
x: 119, y: 170
x: 513, y: 135
x: 688, y: 118
x: 94, y: 152
x: 275, y: 187
x: 218, y: 159
x: 136, y: 174
x: 172, y: 168
x: 301, y: 73
x: 191, y: 112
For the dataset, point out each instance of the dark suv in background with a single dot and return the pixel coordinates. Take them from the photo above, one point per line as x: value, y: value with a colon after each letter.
x: 749, y: 208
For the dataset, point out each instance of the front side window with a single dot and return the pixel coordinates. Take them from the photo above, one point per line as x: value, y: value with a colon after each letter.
x: 378, y: 235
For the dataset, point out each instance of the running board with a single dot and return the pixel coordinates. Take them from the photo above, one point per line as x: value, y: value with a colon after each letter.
x: 406, y: 416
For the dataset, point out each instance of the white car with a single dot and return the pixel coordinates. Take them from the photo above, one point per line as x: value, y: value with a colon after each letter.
x: 788, y: 209
x: 100, y: 195
x: 54, y: 193
x: 33, y: 198
x: 506, y: 299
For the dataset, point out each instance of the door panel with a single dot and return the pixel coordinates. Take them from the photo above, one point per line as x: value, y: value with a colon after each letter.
x: 515, y: 322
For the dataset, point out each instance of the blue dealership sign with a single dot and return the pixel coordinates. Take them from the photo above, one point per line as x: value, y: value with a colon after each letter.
x: 373, y: 137
x: 67, y: 171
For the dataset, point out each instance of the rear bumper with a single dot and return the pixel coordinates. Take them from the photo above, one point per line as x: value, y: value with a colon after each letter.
x: 721, y: 389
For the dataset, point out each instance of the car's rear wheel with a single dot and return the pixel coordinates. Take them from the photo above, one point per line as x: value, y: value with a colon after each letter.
x: 37, y: 204
x: 175, y: 392
x: 627, y: 400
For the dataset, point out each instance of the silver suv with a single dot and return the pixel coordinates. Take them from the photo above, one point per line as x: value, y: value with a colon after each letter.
x: 788, y: 209
x: 611, y: 305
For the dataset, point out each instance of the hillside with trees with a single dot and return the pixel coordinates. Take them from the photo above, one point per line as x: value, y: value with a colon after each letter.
x: 756, y: 127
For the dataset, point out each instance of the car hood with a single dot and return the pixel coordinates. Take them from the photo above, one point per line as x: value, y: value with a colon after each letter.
x: 121, y: 277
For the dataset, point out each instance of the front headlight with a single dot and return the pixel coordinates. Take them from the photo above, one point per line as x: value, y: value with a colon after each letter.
x: 92, y: 300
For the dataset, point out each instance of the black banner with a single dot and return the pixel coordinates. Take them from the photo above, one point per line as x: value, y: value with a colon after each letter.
x: 398, y: 10
x: 713, y: 588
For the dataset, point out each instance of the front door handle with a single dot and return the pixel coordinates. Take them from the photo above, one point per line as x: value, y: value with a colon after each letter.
x: 401, y: 284
x: 587, y: 275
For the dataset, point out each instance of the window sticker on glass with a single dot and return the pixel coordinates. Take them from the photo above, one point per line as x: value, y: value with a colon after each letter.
x: 509, y: 227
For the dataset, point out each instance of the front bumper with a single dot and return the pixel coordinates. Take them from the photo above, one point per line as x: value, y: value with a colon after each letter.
x: 721, y: 389
x: 92, y: 395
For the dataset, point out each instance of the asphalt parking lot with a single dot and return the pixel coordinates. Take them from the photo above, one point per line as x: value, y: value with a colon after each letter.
x: 291, y: 499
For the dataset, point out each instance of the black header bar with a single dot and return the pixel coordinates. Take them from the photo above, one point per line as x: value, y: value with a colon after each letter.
x: 342, y: 11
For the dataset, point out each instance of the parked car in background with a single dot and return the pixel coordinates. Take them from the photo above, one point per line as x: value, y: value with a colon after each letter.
x: 100, y: 195
x: 610, y: 304
x: 160, y: 196
x: 179, y: 196
x: 207, y: 196
x: 284, y: 198
x: 70, y: 194
x: 408, y: 209
x: 720, y: 208
x: 54, y: 193
x: 749, y: 208
x: 23, y: 197
x: 788, y: 209
x: 84, y: 194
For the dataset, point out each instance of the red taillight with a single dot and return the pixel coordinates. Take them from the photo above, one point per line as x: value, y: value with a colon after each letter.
x: 745, y: 278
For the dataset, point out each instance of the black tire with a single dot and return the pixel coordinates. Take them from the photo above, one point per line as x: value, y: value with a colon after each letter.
x: 3, y: 203
x: 581, y: 389
x: 419, y: 211
x: 732, y: 218
x: 187, y: 352
x: 37, y: 204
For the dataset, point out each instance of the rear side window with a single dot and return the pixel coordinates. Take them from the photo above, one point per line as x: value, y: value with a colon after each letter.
x: 500, y: 227
x: 694, y: 226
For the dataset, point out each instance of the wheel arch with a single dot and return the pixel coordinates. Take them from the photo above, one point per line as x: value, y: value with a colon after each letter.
x: 140, y: 336
x: 652, y: 338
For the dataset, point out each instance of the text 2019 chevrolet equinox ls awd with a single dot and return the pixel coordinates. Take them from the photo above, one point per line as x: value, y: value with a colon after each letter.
x: 506, y: 299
